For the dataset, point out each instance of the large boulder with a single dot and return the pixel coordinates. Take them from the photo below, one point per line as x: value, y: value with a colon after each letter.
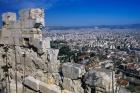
x: 32, y: 83
x: 73, y: 70
x: 99, y: 78
x: 27, y: 90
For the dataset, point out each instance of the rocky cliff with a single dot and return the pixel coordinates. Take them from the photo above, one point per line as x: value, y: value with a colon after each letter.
x: 25, y: 71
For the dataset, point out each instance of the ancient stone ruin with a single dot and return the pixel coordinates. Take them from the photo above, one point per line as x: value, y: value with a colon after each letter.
x: 29, y: 65
x: 26, y: 31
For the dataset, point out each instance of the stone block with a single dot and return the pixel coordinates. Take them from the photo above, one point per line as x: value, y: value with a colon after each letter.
x: 73, y: 70
x: 32, y: 83
x: 45, y: 88
x: 27, y: 90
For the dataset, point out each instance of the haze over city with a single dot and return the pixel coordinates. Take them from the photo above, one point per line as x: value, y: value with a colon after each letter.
x: 80, y: 12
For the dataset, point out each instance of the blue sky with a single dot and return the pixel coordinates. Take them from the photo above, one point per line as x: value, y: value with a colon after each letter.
x: 80, y: 12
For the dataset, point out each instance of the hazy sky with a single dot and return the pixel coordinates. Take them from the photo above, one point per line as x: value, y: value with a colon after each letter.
x: 80, y: 12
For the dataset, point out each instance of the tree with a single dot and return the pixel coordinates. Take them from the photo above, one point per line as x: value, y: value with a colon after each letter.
x: 65, y: 50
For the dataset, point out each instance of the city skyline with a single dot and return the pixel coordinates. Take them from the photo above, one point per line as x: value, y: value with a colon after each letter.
x: 87, y: 46
x: 80, y: 12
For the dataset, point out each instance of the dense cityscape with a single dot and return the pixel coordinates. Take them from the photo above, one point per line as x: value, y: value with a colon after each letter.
x: 102, y: 49
x: 69, y: 46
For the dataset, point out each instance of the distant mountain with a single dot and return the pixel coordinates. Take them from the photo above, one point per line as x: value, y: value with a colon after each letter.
x: 129, y: 26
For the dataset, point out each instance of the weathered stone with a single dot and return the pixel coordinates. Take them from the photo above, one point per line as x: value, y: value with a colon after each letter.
x: 27, y: 90
x: 53, y: 67
x: 72, y: 85
x: 2, y: 85
x: 44, y: 79
x: 39, y: 64
x: 39, y: 74
x: 50, y: 79
x: 101, y: 78
x: 32, y: 83
x: 44, y: 88
x: 9, y: 16
x: 57, y: 78
x: 28, y: 20
x: 66, y: 91
x: 52, y: 54
x: 13, y: 87
x: 73, y: 70
x: 19, y: 52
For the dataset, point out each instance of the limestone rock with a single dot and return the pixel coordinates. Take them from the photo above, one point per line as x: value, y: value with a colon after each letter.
x: 50, y: 79
x: 13, y: 87
x: 44, y: 88
x: 39, y: 64
x: 73, y: 70
x: 32, y: 83
x: 66, y: 91
x: 27, y: 90
x: 57, y: 78
x: 72, y: 85
x: 2, y: 85
x: 53, y: 67
x: 101, y: 78
x: 52, y: 54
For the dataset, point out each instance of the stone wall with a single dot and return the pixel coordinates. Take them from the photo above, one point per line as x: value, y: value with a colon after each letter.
x: 48, y: 75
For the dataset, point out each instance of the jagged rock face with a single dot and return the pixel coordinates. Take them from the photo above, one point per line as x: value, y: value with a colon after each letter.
x: 43, y: 74
x: 34, y: 65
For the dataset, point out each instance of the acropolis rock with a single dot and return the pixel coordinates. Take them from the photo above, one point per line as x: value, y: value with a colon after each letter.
x: 28, y: 64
